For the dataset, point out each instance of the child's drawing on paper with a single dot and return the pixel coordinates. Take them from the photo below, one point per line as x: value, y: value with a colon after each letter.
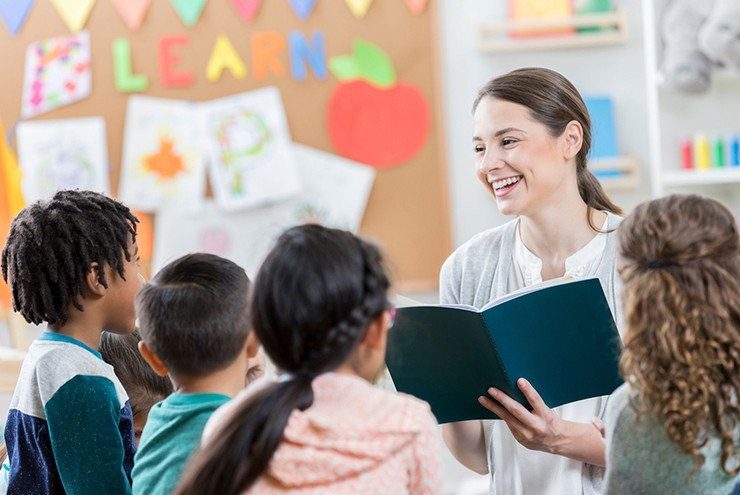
x: 62, y: 154
x: 335, y: 195
x: 164, y: 163
x: 162, y: 160
x: 214, y: 240
x: 307, y: 212
x: 244, y: 237
x: 57, y: 73
x: 242, y: 138
x: 248, y: 145
x: 335, y: 192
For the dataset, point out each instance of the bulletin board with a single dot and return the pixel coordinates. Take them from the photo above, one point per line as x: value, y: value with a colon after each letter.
x: 408, y: 211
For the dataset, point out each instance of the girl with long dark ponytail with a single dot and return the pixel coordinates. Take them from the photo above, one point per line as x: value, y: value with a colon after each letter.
x: 320, y: 309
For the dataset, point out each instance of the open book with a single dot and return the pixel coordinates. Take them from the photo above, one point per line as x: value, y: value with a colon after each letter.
x: 559, y: 335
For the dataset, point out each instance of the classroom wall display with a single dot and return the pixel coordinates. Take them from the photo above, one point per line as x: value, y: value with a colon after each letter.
x: 335, y: 195
x: 57, y: 73
x: 247, y: 141
x: 62, y: 154
x: 162, y: 155
x: 407, y: 211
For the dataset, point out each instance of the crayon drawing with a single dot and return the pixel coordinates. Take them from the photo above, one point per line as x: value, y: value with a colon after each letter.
x: 247, y: 142
x: 62, y: 154
x: 162, y: 161
x: 57, y: 73
x: 335, y: 194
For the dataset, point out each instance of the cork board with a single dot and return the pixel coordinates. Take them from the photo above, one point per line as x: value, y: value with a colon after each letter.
x: 408, y: 210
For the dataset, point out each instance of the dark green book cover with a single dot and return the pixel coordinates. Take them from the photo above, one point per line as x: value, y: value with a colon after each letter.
x: 559, y: 336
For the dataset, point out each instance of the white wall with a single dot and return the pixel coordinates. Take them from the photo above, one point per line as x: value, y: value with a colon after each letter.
x: 617, y: 71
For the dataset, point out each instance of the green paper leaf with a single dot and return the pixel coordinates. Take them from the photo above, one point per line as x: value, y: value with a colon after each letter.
x: 344, y: 68
x: 368, y: 62
x: 374, y: 63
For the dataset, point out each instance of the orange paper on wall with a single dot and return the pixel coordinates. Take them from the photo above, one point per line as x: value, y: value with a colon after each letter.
x: 145, y: 240
x: 11, y: 201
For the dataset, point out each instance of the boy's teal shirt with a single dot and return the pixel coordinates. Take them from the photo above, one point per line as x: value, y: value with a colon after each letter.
x: 171, y: 435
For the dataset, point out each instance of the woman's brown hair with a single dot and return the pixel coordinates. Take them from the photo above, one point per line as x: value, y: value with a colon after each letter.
x: 554, y: 102
x: 681, y: 273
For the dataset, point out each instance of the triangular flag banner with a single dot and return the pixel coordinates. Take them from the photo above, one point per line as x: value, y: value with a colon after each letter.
x: 303, y: 8
x: 247, y: 8
x: 132, y: 11
x: 74, y: 13
x: 189, y: 10
x: 14, y: 13
x: 359, y: 7
x: 416, y: 6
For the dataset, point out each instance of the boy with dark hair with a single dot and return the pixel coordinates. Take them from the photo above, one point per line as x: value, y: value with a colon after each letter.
x: 194, y: 325
x: 71, y: 262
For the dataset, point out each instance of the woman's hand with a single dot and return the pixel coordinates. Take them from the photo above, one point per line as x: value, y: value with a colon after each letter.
x: 542, y: 429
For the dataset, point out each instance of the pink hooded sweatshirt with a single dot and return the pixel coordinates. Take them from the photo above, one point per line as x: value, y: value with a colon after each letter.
x: 354, y: 439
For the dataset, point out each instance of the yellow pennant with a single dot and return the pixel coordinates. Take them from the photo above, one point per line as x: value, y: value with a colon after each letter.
x: 74, y: 13
x: 359, y: 7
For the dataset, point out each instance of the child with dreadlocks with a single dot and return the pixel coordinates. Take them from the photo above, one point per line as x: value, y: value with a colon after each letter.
x: 71, y: 262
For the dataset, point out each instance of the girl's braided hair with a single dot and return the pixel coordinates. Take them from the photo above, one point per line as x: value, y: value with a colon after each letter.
x: 313, y: 300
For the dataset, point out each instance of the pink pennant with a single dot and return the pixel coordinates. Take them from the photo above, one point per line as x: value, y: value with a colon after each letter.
x: 248, y: 9
x: 416, y: 6
x: 132, y: 11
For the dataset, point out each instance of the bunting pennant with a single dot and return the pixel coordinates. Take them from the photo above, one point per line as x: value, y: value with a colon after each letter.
x: 247, y: 9
x: 74, y: 13
x: 132, y: 11
x: 189, y: 10
x: 359, y: 7
x: 14, y: 13
x: 303, y: 8
x: 416, y: 6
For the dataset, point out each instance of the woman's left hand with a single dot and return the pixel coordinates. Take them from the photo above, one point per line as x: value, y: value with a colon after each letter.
x: 542, y: 429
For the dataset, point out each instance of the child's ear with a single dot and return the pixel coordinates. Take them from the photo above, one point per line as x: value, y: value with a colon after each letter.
x: 152, y: 359
x: 92, y: 280
x: 377, y: 332
x: 253, y: 345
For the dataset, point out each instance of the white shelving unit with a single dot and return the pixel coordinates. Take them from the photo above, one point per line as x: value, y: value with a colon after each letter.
x: 673, y: 117
x: 493, y: 36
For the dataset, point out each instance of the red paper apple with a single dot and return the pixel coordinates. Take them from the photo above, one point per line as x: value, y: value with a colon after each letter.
x: 371, y: 118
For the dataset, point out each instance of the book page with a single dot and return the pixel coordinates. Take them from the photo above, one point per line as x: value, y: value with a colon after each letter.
x: 532, y: 288
x: 400, y: 301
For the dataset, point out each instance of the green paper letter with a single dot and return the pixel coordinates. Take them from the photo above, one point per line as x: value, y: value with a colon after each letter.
x: 126, y: 80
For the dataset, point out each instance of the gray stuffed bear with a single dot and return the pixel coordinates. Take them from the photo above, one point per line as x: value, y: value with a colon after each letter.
x: 697, y: 35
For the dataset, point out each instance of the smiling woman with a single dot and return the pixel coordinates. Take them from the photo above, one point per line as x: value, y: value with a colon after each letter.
x: 531, y: 138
